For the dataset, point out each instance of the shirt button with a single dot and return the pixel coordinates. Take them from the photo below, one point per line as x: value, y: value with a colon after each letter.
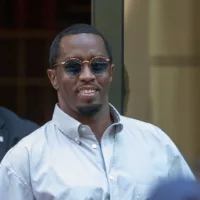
x: 94, y: 146
x: 111, y: 178
x: 83, y: 129
x: 77, y: 140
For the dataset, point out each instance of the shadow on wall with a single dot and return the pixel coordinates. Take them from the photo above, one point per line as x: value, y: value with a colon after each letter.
x: 138, y: 104
x: 126, y: 89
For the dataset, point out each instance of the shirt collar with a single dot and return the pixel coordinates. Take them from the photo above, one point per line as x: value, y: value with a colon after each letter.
x: 71, y: 127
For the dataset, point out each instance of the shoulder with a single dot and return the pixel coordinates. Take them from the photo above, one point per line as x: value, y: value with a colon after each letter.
x: 19, y: 157
x: 24, y: 146
x: 16, y: 162
x: 147, y: 131
x: 151, y: 137
x: 34, y: 140
x: 141, y: 126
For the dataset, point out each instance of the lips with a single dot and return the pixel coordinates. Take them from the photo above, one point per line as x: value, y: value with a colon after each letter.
x: 87, y: 92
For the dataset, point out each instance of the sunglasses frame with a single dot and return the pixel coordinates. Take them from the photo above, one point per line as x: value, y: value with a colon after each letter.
x: 82, y: 63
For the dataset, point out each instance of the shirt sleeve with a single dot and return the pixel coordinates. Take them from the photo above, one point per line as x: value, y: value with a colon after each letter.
x: 12, y: 187
x: 177, y: 166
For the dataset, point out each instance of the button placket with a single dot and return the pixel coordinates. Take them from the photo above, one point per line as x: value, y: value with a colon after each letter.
x: 108, y: 142
x: 111, y: 177
x: 107, y: 151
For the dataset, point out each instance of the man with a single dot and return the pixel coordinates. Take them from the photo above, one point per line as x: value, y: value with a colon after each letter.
x: 88, y: 151
x: 12, y: 129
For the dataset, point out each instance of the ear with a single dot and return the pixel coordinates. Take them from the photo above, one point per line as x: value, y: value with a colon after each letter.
x: 112, y: 67
x: 53, y: 78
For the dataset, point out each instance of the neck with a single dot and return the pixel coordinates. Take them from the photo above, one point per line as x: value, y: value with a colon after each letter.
x: 99, y: 122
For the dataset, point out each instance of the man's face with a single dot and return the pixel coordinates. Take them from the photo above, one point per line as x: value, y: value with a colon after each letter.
x: 86, y: 89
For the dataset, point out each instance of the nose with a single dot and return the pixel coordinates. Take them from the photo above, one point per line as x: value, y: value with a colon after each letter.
x: 86, y: 74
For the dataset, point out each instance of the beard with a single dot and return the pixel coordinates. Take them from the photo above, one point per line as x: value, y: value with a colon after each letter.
x: 90, y: 110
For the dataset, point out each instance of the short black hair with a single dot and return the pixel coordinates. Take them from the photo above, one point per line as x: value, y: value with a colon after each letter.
x: 73, y: 30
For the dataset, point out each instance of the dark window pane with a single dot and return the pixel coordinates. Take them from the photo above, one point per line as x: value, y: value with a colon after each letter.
x: 9, y: 98
x: 76, y: 11
x: 40, y: 103
x: 36, y: 59
x: 8, y: 58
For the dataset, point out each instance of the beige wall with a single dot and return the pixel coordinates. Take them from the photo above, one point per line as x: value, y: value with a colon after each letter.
x: 162, y: 57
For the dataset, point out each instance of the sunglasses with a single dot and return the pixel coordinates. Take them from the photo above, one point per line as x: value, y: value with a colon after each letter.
x: 73, y: 66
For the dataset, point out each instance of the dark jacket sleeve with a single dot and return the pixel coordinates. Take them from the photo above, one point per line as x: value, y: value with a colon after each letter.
x: 12, y: 129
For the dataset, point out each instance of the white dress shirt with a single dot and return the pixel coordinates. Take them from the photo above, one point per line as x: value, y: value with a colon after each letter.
x: 63, y: 160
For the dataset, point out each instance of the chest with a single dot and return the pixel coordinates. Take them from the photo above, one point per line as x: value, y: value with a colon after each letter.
x: 116, y: 170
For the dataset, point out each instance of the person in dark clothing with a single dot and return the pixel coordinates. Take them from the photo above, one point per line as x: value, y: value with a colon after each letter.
x: 12, y: 129
x: 176, y: 189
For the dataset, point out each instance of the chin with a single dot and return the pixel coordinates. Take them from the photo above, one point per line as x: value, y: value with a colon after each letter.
x: 89, y: 110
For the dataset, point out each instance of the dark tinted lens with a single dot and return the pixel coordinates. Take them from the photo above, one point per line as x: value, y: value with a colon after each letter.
x: 73, y: 67
x: 99, y: 65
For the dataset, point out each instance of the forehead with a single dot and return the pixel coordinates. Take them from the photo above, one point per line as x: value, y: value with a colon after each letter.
x: 82, y: 45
